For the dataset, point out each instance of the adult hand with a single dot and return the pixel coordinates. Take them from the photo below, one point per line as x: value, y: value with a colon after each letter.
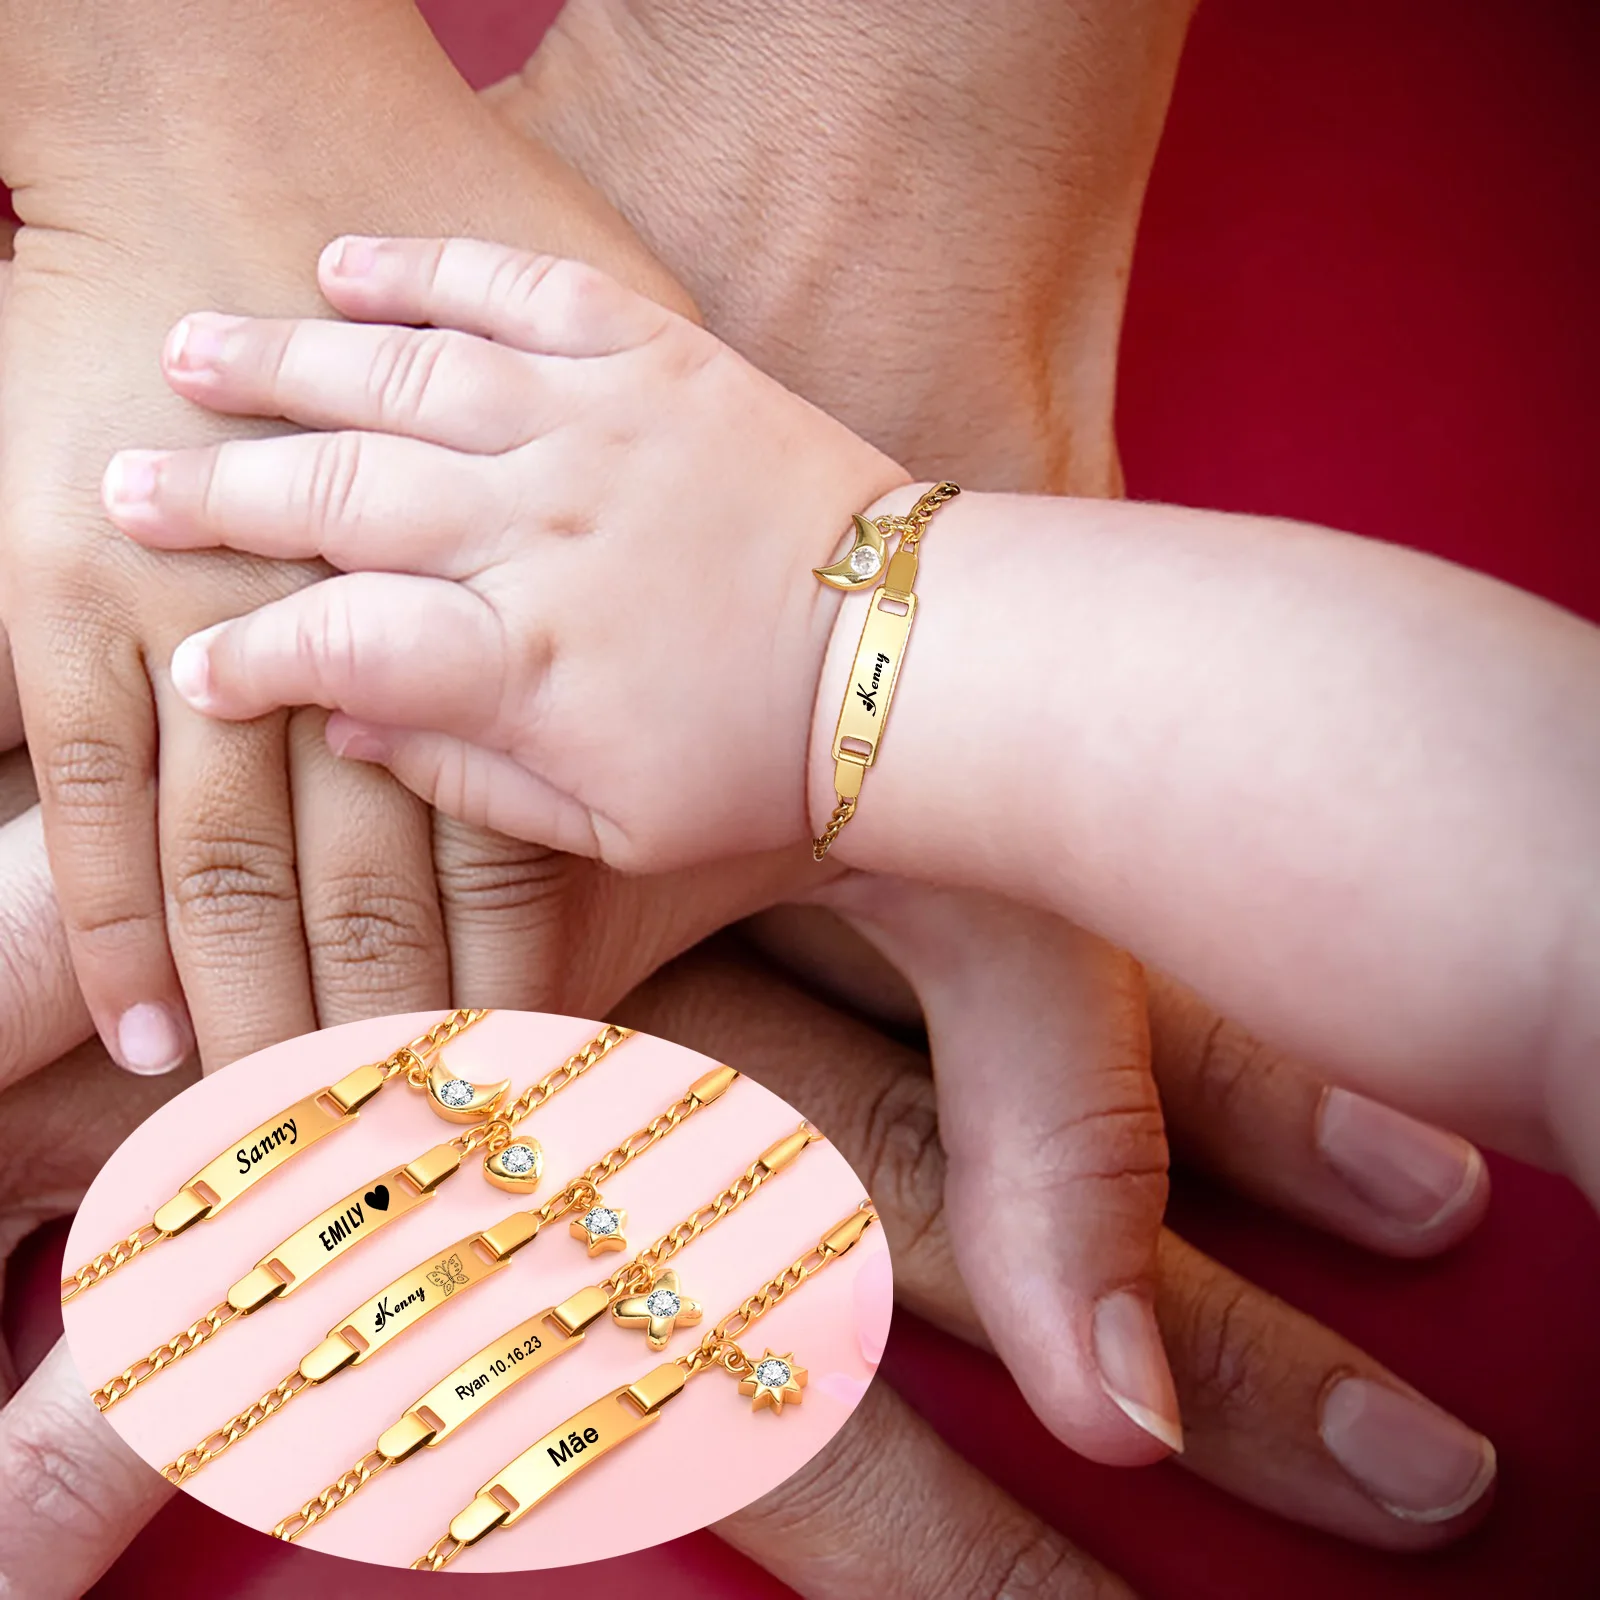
x: 243, y: 869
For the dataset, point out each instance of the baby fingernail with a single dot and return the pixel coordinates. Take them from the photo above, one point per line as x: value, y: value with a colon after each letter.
x: 351, y: 257
x: 353, y: 742
x: 1415, y: 1460
x: 190, y: 670
x: 1411, y: 1172
x: 1133, y: 1365
x: 131, y: 480
x: 150, y: 1040
x: 199, y: 342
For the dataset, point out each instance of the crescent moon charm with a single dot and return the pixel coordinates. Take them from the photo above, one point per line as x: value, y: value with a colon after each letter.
x: 458, y: 1100
x: 861, y: 563
x: 517, y: 1167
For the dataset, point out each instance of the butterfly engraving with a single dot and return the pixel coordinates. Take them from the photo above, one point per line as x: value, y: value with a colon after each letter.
x: 448, y: 1274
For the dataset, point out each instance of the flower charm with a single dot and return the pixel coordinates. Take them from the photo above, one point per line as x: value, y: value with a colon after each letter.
x: 458, y: 1100
x: 773, y: 1380
x: 600, y: 1227
x: 658, y: 1311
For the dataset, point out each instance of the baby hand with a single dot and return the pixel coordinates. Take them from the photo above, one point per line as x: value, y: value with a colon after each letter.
x: 574, y: 533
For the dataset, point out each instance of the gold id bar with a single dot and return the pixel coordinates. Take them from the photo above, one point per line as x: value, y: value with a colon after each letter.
x: 344, y: 1225
x: 264, y: 1149
x: 412, y: 1296
x: 486, y: 1375
x: 565, y: 1451
x: 873, y: 677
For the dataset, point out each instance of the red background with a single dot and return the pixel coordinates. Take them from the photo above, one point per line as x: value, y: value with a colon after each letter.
x: 1362, y: 297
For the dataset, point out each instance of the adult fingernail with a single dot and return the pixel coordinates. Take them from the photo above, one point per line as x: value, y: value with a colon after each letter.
x: 1415, y: 1460
x: 199, y: 342
x: 150, y: 1040
x: 1133, y: 1365
x: 350, y: 257
x: 190, y: 670
x: 131, y: 480
x: 1411, y: 1172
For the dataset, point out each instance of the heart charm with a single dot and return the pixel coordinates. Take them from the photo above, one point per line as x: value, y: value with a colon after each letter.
x: 378, y: 1198
x: 517, y: 1167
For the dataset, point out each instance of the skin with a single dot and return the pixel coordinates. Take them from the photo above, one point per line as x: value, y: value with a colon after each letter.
x: 1438, y: 801
x: 531, y: 926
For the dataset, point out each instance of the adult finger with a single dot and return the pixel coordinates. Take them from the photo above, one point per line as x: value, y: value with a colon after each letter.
x: 485, y: 788
x: 231, y: 883
x: 1267, y: 1411
x: 357, y: 500
x: 387, y: 648
x: 1274, y: 1131
x: 11, y: 731
x: 19, y: 792
x: 72, y: 1494
x: 1056, y: 1157
x: 92, y: 737
x: 42, y: 1014
x: 369, y: 903
x: 431, y: 384
x: 542, y: 304
x: 887, y: 1508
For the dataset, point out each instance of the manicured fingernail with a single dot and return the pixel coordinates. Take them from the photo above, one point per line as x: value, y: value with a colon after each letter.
x: 190, y: 670
x: 199, y: 343
x: 150, y: 1040
x: 350, y: 257
x: 1415, y: 1460
x: 131, y: 480
x: 353, y: 742
x: 1399, y: 1166
x: 1133, y: 1365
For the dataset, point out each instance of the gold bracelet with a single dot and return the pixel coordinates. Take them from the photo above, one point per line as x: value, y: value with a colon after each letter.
x: 399, y: 1306
x: 884, y: 636
x: 773, y: 1381
x: 644, y: 1294
x: 354, y: 1218
x: 277, y: 1141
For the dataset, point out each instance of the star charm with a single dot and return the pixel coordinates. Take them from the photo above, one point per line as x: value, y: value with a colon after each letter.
x: 658, y: 1311
x: 773, y: 1380
x: 600, y: 1227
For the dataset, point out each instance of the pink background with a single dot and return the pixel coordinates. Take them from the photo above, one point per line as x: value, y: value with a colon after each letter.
x: 1364, y: 295
x: 706, y: 1457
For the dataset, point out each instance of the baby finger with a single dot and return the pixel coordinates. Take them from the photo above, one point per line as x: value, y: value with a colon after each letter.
x: 385, y: 647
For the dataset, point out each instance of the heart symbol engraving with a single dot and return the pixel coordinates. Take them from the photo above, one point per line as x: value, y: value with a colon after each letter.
x: 378, y: 1198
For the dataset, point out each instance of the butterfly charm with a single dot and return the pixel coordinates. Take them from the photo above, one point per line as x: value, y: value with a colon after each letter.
x: 448, y: 1274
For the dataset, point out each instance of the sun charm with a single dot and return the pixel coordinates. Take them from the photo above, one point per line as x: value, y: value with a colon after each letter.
x: 773, y: 1380
x: 600, y: 1227
x: 658, y: 1311
x: 458, y: 1100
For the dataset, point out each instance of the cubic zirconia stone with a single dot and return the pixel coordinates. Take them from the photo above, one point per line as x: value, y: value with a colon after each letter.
x: 602, y: 1221
x: 662, y: 1303
x: 517, y: 1159
x: 865, y: 561
x: 457, y: 1092
x: 773, y: 1373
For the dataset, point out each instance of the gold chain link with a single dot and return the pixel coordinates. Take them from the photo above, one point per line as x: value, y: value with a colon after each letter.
x: 235, y: 1429
x: 334, y: 1496
x: 107, y: 1262
x: 842, y: 813
x: 439, y: 1554
x: 496, y: 1132
x: 175, y: 1349
x: 413, y: 1058
x: 638, y: 1275
x: 719, y: 1348
x: 914, y: 523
